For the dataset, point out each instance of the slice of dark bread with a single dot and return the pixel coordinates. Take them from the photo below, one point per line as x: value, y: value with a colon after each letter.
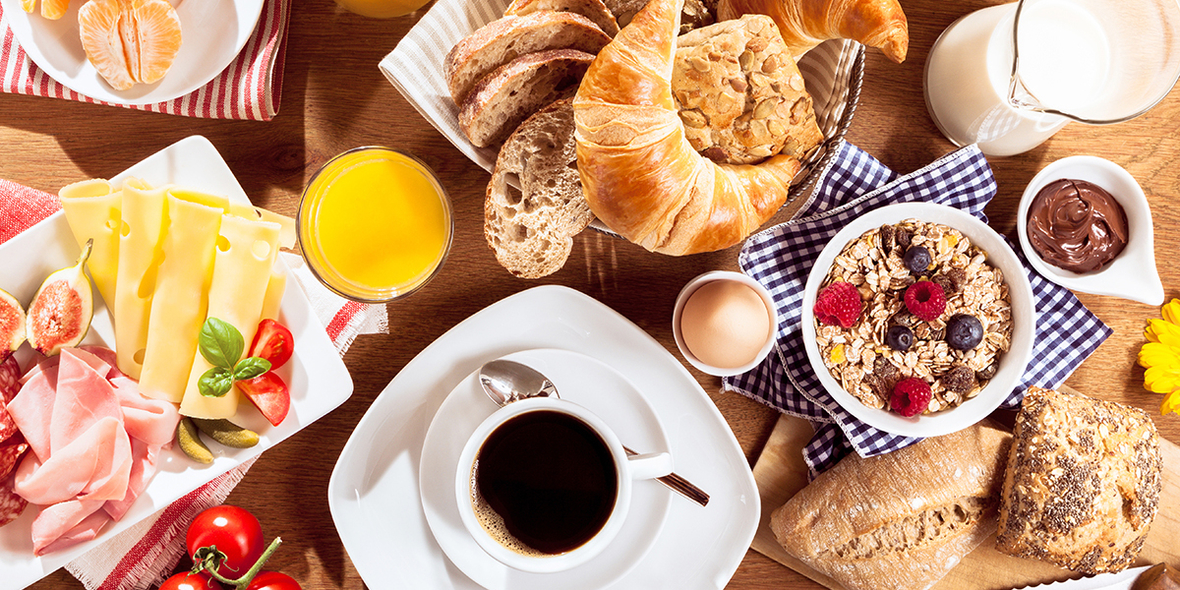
x: 531, y: 228
x: 503, y: 40
x: 595, y: 10
x: 506, y: 97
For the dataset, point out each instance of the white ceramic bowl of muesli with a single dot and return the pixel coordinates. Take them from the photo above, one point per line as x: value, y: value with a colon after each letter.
x: 996, y: 363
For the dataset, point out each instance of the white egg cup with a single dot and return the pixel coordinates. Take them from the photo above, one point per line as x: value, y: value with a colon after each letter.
x: 723, y: 275
x: 1132, y: 274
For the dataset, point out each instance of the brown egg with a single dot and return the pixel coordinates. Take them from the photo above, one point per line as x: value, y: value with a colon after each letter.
x: 725, y: 324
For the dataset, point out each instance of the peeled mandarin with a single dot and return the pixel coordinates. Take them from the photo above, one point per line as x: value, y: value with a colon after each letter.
x: 725, y: 324
x: 129, y: 41
x: 54, y: 9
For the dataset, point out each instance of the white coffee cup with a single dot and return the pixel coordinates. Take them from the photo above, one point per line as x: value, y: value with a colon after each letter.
x: 627, y: 469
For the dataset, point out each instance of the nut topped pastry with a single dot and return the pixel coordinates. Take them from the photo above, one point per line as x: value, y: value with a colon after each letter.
x: 741, y: 97
x: 1083, y: 482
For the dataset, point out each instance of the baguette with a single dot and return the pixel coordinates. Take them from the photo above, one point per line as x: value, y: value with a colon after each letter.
x: 503, y: 99
x: 531, y: 229
x: 594, y: 10
x: 503, y: 40
x: 900, y: 520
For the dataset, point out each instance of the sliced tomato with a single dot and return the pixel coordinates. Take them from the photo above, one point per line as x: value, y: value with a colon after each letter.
x: 269, y: 394
x: 273, y: 342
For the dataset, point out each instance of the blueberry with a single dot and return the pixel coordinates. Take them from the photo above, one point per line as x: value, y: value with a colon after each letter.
x: 917, y: 260
x: 899, y: 338
x: 963, y: 332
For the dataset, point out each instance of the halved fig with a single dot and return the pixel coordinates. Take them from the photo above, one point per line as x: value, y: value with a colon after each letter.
x: 12, y: 325
x: 60, y: 313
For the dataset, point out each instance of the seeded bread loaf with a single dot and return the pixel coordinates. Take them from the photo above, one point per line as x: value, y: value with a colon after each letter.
x: 503, y: 99
x: 741, y: 96
x: 900, y: 520
x: 1083, y: 482
x: 594, y: 10
x: 531, y: 229
x: 503, y: 40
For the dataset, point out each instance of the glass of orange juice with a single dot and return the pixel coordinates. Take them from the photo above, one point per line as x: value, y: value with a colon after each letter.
x: 375, y: 224
x: 382, y: 8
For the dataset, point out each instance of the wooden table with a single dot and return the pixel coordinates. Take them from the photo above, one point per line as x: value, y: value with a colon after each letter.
x: 334, y: 98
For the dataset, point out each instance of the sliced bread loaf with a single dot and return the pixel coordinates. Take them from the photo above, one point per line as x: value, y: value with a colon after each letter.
x: 503, y: 40
x: 595, y: 10
x: 506, y: 97
x: 531, y: 228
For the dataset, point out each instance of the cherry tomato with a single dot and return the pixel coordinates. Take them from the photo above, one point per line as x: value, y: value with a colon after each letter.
x: 273, y: 342
x: 234, y: 531
x: 269, y: 394
x: 266, y: 580
x: 191, y: 581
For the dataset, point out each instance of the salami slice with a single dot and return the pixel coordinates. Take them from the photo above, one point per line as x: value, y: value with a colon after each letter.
x: 9, y: 379
x: 11, y: 505
x: 10, y: 452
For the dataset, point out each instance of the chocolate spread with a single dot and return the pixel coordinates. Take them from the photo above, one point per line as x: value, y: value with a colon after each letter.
x: 1076, y: 225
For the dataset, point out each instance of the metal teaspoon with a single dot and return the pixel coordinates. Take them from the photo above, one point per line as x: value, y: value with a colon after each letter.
x: 507, y: 381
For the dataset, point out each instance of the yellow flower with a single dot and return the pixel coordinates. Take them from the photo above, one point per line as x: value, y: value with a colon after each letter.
x: 1161, y: 356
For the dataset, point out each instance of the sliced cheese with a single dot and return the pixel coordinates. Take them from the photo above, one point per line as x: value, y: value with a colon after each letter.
x: 92, y: 209
x: 180, y: 299
x: 246, y: 251
x: 274, y: 293
x: 286, y: 234
x: 141, y: 250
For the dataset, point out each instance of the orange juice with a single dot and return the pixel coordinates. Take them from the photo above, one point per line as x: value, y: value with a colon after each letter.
x: 374, y: 224
x: 382, y: 8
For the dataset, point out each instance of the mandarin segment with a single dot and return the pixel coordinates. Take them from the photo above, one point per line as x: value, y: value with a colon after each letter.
x: 130, y: 41
x: 54, y: 9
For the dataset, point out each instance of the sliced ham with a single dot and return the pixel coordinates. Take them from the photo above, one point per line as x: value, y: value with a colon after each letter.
x: 95, y: 441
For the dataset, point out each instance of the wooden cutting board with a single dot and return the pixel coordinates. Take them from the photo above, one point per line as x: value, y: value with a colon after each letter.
x: 781, y: 472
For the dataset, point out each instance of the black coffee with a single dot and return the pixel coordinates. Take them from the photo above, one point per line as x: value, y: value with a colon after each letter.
x: 546, y: 483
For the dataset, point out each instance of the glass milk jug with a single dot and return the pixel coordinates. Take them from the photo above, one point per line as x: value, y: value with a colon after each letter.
x: 1008, y: 77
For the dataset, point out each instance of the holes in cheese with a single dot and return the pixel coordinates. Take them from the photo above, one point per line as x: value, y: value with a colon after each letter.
x: 140, y: 254
x: 236, y: 296
x: 92, y: 209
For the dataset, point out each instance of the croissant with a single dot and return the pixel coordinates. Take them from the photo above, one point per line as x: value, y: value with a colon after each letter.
x: 807, y: 23
x: 640, y: 175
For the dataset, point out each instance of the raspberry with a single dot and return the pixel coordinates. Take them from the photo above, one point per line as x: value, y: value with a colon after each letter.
x: 838, y: 304
x: 925, y: 299
x: 910, y: 397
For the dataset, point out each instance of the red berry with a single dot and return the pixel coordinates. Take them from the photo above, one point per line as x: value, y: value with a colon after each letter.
x: 926, y: 299
x: 838, y: 304
x: 910, y: 397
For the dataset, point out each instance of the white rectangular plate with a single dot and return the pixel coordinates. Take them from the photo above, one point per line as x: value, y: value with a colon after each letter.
x: 316, y: 374
x: 373, y: 493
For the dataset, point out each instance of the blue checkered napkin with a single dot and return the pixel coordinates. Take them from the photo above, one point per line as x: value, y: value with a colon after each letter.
x: 781, y: 257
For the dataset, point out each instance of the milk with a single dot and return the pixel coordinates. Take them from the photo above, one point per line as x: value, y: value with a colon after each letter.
x: 1064, y: 66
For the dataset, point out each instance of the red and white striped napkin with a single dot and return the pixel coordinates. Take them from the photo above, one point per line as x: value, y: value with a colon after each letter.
x: 143, y: 555
x: 249, y: 88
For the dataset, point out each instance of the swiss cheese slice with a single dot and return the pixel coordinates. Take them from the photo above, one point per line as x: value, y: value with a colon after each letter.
x: 93, y: 211
x: 246, y: 251
x: 274, y: 293
x: 180, y: 299
x: 141, y: 250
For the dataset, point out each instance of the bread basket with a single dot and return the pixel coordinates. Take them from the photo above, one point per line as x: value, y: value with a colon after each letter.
x: 833, y: 72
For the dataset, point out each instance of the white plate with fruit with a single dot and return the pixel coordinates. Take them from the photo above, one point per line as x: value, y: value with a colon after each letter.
x: 317, y: 378
x: 212, y: 33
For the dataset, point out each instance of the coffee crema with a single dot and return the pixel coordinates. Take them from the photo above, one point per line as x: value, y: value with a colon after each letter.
x: 543, y: 483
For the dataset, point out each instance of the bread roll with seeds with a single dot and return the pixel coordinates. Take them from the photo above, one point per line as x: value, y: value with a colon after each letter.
x: 1083, y: 482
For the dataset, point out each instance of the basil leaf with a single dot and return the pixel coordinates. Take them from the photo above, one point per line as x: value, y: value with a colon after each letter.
x: 249, y: 368
x: 220, y: 343
x: 215, y: 382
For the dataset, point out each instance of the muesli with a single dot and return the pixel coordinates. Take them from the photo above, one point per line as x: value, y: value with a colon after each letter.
x: 912, y: 318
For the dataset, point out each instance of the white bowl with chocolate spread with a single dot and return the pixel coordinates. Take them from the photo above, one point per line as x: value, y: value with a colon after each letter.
x: 1084, y: 223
